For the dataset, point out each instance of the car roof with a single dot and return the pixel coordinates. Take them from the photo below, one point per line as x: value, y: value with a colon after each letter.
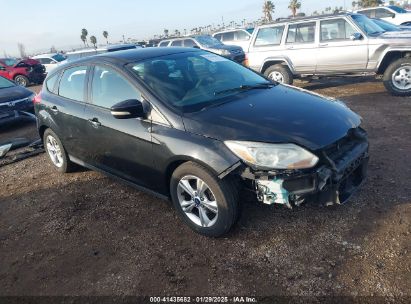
x: 134, y: 55
x: 231, y: 30
x: 309, y: 18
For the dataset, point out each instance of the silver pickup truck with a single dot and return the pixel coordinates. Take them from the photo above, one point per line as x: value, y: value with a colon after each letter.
x: 332, y: 45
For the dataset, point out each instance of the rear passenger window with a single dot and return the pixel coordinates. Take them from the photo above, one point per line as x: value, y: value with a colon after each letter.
x: 241, y: 36
x: 189, y: 43
x: 383, y: 13
x: 301, y: 33
x: 269, y: 36
x: 177, y: 43
x: 51, y: 83
x: 73, y: 82
x: 228, y: 36
x: 109, y: 88
x: 338, y: 29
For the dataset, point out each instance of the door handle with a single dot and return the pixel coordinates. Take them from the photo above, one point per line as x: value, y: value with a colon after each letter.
x: 95, y: 122
x: 324, y: 44
x: 290, y: 47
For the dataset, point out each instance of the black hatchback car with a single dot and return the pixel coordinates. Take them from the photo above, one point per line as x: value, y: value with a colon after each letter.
x: 196, y: 127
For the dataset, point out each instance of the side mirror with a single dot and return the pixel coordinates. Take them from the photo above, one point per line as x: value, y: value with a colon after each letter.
x: 196, y: 47
x: 131, y: 108
x: 356, y: 36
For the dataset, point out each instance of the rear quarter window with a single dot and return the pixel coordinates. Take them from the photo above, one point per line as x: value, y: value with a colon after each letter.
x: 51, y: 83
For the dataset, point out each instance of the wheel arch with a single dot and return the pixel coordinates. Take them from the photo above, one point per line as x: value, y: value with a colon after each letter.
x: 391, y: 56
x: 273, y: 61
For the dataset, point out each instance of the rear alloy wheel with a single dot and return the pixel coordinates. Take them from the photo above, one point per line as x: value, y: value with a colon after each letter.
x: 206, y: 203
x: 56, y: 152
x: 279, y: 73
x: 397, y: 77
x: 21, y: 80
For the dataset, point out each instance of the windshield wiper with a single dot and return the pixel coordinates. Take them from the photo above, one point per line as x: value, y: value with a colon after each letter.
x: 246, y: 87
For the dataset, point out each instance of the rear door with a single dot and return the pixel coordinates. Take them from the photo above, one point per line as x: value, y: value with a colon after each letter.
x: 121, y: 146
x: 301, y: 46
x: 66, y: 105
x: 337, y: 52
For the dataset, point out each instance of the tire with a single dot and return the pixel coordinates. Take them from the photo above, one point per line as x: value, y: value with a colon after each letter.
x: 219, y: 194
x: 61, y: 160
x: 21, y: 80
x: 283, y: 72
x: 402, y: 69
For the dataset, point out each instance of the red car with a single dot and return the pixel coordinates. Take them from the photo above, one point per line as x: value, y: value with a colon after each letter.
x: 22, y: 72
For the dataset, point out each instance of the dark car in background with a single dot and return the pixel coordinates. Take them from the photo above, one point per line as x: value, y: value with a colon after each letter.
x: 196, y: 127
x: 23, y: 72
x: 207, y: 43
x: 15, y: 101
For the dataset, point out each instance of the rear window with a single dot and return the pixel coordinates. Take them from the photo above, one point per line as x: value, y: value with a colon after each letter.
x: 269, y: 36
x: 72, y: 83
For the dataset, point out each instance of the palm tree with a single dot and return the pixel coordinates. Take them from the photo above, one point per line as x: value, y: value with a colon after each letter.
x: 268, y: 10
x: 93, y: 40
x: 84, y: 33
x: 294, y: 6
x: 166, y: 33
x: 105, y: 35
x: 84, y: 39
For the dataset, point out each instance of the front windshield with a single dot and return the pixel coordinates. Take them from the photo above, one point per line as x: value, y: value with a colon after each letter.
x: 4, y: 83
x: 194, y: 81
x: 10, y: 62
x: 398, y: 9
x: 367, y: 25
x: 208, y: 41
x: 59, y: 58
x: 386, y: 25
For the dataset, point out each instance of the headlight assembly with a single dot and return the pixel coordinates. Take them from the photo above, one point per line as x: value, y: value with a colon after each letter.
x: 222, y: 52
x: 273, y: 156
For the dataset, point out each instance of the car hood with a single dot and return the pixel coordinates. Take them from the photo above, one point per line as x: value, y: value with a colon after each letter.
x: 404, y: 34
x: 281, y: 114
x: 14, y: 93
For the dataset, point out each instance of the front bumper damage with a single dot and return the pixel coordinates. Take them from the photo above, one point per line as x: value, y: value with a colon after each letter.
x: 341, y: 171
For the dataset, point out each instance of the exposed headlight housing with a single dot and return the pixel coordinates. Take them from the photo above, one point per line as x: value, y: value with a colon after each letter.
x: 273, y: 156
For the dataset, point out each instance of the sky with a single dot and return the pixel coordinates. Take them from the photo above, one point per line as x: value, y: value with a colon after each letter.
x: 41, y: 24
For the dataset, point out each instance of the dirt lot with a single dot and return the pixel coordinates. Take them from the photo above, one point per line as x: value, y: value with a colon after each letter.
x: 85, y: 234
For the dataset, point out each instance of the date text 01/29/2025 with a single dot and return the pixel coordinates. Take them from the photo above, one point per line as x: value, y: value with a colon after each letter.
x: 203, y: 300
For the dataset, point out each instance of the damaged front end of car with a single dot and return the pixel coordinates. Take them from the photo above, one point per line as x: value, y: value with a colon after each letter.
x: 339, y: 172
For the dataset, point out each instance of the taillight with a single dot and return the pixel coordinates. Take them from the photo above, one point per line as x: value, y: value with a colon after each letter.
x: 37, y: 98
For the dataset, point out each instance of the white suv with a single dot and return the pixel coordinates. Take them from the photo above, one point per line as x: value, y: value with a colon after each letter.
x: 239, y: 37
x: 391, y: 13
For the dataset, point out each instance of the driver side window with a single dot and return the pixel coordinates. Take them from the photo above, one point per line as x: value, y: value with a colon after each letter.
x: 109, y: 88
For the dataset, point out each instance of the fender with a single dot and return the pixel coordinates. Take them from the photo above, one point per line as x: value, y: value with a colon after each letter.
x: 389, y: 50
x: 281, y: 59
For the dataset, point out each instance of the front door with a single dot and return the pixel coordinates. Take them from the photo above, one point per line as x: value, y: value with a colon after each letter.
x: 121, y: 146
x: 337, y: 52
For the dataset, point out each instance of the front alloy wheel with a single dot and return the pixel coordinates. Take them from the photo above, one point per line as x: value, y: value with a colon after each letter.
x: 397, y: 77
x: 197, y: 201
x: 206, y: 203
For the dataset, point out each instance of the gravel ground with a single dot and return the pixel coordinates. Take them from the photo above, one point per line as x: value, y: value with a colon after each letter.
x: 85, y: 234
